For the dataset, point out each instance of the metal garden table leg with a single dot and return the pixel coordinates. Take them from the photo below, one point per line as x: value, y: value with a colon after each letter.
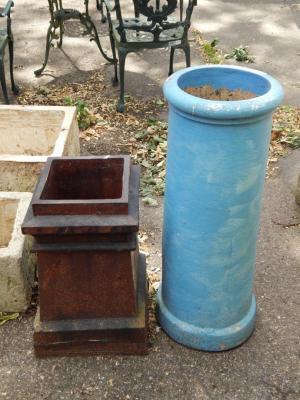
x: 58, y: 16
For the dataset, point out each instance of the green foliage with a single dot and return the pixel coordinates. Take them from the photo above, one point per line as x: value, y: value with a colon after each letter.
x: 210, y: 51
x: 214, y: 42
x: 241, y: 54
x: 293, y: 140
x: 286, y: 126
x: 84, y: 117
x: 151, y: 154
x: 5, y: 317
x: 160, y: 102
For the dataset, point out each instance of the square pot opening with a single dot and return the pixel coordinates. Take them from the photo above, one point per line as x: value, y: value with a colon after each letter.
x: 85, y: 185
x: 8, y: 211
x: 28, y: 132
x: 84, y: 179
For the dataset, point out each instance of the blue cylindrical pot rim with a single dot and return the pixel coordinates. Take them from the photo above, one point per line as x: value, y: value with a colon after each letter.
x: 268, y: 90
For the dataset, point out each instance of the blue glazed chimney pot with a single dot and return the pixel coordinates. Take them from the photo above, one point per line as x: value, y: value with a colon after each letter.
x: 216, y: 163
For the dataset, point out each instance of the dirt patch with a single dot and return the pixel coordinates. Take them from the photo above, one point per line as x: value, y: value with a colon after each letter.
x: 223, y: 94
x: 108, y: 132
x: 142, y: 130
x: 138, y: 131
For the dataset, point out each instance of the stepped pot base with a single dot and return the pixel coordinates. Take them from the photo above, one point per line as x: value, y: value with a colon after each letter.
x: 207, y: 339
x: 84, y: 218
x: 216, y: 162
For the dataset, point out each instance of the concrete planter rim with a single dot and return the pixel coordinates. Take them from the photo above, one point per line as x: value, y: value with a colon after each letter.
x: 223, y: 110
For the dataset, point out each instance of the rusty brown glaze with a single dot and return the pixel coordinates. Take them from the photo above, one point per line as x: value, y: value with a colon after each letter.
x: 92, y: 279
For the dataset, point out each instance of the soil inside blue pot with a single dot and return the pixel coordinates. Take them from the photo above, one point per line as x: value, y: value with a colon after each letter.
x: 222, y: 94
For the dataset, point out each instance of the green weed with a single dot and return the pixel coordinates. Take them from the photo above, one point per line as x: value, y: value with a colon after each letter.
x: 240, y: 54
x: 84, y: 117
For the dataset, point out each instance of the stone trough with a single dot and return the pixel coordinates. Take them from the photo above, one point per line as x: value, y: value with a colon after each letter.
x: 17, y: 264
x: 30, y: 134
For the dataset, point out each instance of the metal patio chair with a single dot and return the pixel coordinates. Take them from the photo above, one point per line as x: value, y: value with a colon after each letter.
x: 6, y: 38
x: 152, y: 27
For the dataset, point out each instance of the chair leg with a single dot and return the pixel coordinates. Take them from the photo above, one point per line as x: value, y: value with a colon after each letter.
x: 14, y: 87
x: 86, y: 20
x: 48, y: 44
x: 3, y: 81
x: 122, y: 57
x: 187, y: 52
x: 186, y: 48
x: 103, y: 17
x: 99, y: 6
x: 61, y: 34
x: 115, y: 79
x: 171, y: 60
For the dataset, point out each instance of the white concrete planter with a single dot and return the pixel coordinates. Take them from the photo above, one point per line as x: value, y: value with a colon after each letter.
x: 17, y: 264
x: 30, y: 134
